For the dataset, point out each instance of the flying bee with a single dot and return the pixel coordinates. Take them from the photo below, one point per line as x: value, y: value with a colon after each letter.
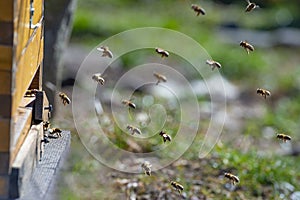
x: 128, y: 103
x: 233, y: 179
x: 251, y: 6
x: 213, y: 64
x: 198, y: 9
x: 134, y: 130
x: 147, y: 167
x: 248, y: 47
x: 46, y: 125
x: 98, y: 78
x: 283, y: 137
x: 56, y: 132
x: 165, y: 136
x: 105, y: 51
x: 160, y: 78
x: 162, y: 52
x: 65, y: 99
x: 263, y: 92
x: 178, y: 187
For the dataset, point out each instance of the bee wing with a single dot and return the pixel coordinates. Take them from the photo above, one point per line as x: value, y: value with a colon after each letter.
x: 100, y: 49
x: 109, y: 54
x: 248, y: 1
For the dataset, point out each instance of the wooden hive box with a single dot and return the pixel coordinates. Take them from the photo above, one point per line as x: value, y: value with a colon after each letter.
x: 21, y: 56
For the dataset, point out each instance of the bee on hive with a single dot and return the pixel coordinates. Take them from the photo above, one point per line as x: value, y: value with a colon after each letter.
x: 55, y: 132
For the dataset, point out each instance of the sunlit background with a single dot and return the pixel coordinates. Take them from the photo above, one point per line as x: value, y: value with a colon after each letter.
x: 267, y: 167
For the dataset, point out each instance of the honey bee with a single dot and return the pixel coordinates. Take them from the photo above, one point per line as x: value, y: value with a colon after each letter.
x: 55, y: 132
x: 198, y: 9
x: 65, y: 99
x: 233, y: 179
x: 147, y: 167
x: 165, y: 136
x: 128, y: 103
x: 162, y: 52
x: 263, y: 92
x: 46, y: 125
x: 213, y: 64
x: 178, y: 187
x: 97, y: 77
x: 250, y: 6
x: 248, y: 47
x: 160, y: 78
x: 31, y: 93
x: 283, y: 137
x: 134, y: 130
x: 105, y: 51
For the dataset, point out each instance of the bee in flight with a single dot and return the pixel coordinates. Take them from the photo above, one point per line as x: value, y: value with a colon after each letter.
x: 263, y: 92
x: 165, y: 136
x: 56, y: 132
x: 105, y: 51
x: 98, y: 78
x: 233, y: 179
x: 65, y: 99
x: 128, y: 103
x: 248, y: 47
x: 134, y: 130
x: 250, y: 6
x: 213, y: 64
x: 178, y: 187
x: 162, y: 52
x: 198, y: 9
x: 283, y: 137
x: 160, y: 78
x: 147, y: 167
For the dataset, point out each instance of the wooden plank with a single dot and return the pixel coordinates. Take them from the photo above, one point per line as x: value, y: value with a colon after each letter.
x: 6, y: 57
x: 4, y: 167
x: 6, y: 33
x: 4, y: 187
x: 5, y: 82
x: 6, y: 103
x: 22, y: 23
x: 26, y: 68
x: 20, y: 130
x: 21, y: 26
x: 24, y: 163
x: 6, y: 10
x: 5, y: 135
x: 26, y: 101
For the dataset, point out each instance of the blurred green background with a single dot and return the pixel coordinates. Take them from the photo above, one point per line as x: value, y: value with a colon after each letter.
x: 267, y: 168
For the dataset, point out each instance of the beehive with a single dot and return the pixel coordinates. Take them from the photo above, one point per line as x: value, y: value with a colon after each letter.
x: 21, y: 56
